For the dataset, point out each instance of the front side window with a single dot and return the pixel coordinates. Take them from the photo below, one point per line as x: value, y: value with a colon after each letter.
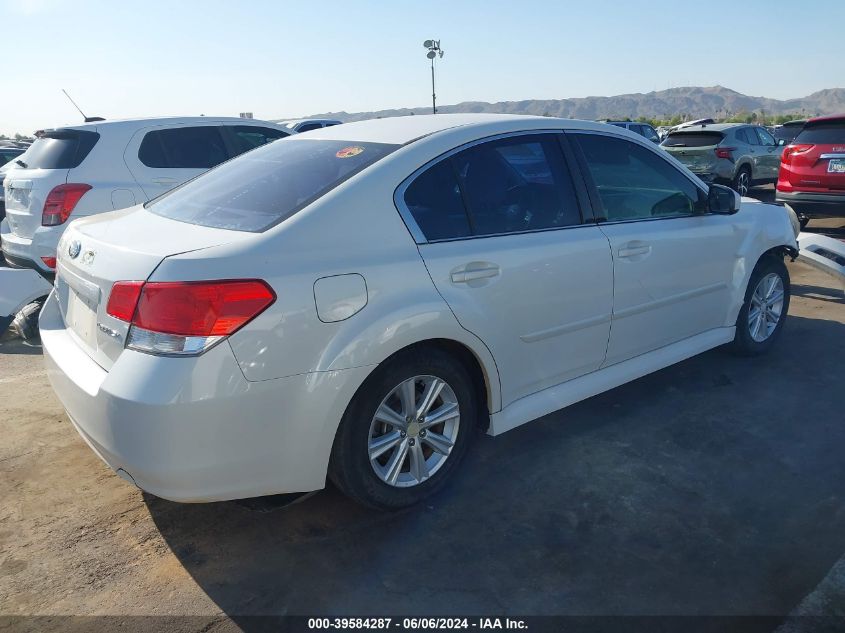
x: 751, y: 136
x: 265, y: 186
x: 765, y: 137
x: 249, y: 137
x: 634, y: 183
x: 200, y: 147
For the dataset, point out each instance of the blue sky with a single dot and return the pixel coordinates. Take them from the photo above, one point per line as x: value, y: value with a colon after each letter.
x: 182, y: 57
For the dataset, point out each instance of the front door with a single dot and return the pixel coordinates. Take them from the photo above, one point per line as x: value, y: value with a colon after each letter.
x: 673, y: 265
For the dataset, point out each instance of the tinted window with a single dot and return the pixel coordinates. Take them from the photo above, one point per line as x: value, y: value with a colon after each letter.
x: 307, y: 127
x: 249, y: 137
x: 267, y: 185
x: 825, y: 133
x: 751, y: 136
x: 60, y: 149
x: 742, y: 136
x: 434, y: 200
x: 634, y: 183
x: 517, y: 184
x: 765, y: 137
x: 650, y: 133
x: 8, y: 154
x: 693, y: 139
x: 199, y: 147
x: 619, y: 124
x: 787, y: 132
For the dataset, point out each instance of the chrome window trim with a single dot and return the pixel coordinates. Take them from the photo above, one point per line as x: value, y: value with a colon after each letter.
x: 665, y: 156
x: 411, y: 223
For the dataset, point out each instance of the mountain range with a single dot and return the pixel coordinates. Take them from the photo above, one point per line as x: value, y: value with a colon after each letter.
x: 690, y: 102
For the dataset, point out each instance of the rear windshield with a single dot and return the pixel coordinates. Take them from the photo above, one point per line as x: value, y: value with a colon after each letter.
x: 60, y: 149
x: 823, y: 133
x: 693, y: 139
x: 269, y: 184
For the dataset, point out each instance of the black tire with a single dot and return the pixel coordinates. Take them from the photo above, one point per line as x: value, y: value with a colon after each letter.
x: 25, y: 323
x: 744, y: 343
x: 742, y: 179
x: 350, y: 469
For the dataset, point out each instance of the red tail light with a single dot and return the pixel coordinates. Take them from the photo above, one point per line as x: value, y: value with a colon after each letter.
x: 793, y: 150
x: 60, y: 203
x: 123, y: 299
x: 49, y: 262
x: 192, y: 308
x: 725, y: 152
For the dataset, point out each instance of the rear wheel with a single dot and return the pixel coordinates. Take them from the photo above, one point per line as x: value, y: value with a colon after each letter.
x: 405, y: 431
x: 742, y: 181
x: 763, y: 313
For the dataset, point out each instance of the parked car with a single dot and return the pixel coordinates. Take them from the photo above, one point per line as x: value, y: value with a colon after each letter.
x: 3, y: 170
x: 8, y: 152
x: 643, y: 129
x: 812, y: 170
x: 355, y: 302
x: 76, y: 171
x: 692, y: 123
x: 730, y: 153
x: 663, y: 130
x: 784, y: 134
x: 298, y: 126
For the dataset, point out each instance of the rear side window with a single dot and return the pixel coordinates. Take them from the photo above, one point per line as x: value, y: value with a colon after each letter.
x: 434, y: 199
x: 517, y: 184
x: 509, y: 185
x: 635, y: 183
x: 693, y: 139
x: 249, y: 137
x: 267, y: 185
x: 823, y: 133
x: 200, y: 147
x: 60, y: 149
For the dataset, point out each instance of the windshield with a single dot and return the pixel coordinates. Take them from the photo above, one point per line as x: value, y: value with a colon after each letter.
x: 267, y: 185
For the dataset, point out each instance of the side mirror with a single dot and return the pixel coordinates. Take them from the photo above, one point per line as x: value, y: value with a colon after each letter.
x: 723, y: 200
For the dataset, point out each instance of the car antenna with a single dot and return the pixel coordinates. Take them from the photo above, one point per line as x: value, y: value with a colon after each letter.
x: 88, y: 119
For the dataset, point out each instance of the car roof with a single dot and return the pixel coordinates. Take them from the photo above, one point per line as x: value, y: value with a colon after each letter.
x: 401, y: 130
x: 708, y: 127
x: 827, y: 118
x: 152, y: 121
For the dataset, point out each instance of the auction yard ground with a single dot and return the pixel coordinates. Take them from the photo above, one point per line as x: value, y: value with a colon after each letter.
x: 716, y: 486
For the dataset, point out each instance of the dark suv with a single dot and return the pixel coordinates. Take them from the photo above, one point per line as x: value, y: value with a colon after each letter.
x: 812, y: 170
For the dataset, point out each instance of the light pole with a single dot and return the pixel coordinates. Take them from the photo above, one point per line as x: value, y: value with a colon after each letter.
x: 434, y: 51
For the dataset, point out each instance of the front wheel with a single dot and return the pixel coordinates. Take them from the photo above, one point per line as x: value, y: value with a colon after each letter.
x: 406, y: 430
x: 763, y: 313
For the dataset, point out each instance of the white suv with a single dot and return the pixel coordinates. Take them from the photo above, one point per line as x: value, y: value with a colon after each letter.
x: 77, y: 171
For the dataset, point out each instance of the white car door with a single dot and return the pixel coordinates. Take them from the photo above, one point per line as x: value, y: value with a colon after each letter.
x: 162, y: 157
x: 499, y: 228
x: 673, y: 264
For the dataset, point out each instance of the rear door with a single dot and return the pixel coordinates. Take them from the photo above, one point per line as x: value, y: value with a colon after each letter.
x: 499, y: 228
x: 769, y: 154
x: 162, y: 157
x: 672, y: 264
x: 45, y: 165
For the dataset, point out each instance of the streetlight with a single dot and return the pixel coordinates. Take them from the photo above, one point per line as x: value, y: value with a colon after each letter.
x: 434, y: 51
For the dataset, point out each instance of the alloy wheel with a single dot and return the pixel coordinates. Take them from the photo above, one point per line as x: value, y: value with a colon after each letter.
x: 413, y: 431
x: 766, y: 308
x: 743, y: 182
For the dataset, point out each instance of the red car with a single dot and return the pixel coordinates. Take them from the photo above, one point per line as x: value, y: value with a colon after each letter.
x: 812, y: 170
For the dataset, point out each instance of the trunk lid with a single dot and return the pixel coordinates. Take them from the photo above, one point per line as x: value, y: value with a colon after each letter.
x: 125, y: 245
x: 696, y: 150
x: 815, y: 161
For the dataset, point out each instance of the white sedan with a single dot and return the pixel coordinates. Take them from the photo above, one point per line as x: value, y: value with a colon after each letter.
x: 357, y: 301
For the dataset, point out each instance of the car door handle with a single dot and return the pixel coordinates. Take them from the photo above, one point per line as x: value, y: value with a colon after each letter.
x: 464, y: 276
x: 633, y: 249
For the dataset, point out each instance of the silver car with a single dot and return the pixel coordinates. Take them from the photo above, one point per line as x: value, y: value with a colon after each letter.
x: 731, y: 153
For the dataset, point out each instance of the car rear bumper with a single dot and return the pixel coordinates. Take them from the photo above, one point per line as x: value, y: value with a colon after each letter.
x: 814, y: 204
x: 22, y: 252
x: 194, y: 429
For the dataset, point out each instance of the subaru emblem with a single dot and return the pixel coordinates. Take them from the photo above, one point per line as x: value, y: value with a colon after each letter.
x: 73, y: 249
